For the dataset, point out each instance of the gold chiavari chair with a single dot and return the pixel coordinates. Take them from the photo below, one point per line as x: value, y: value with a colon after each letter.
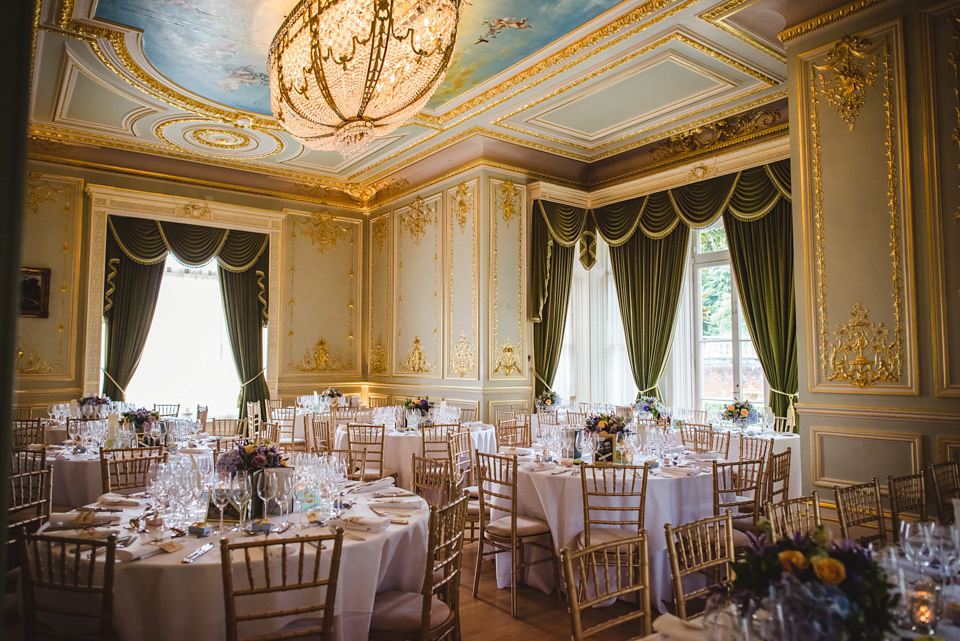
x: 352, y: 400
x: 776, y: 472
x: 167, y: 410
x: 54, y: 571
x: 255, y: 417
x: 509, y: 433
x: 378, y: 401
x: 221, y: 445
x: 780, y: 425
x: 859, y: 505
x: 548, y: 417
x: 322, y: 433
x: 906, y: 493
x: 431, y: 479
x: 585, y: 408
x: 227, y: 427
x: 268, y: 433
x: 752, y: 447
x: 272, y: 405
x: 202, y: 411
x: 461, y: 467
x: 614, y: 501
x: 946, y: 486
x: 126, y: 468
x: 370, y: 438
x: 22, y: 413
x: 707, y: 439
x: 363, y: 416
x: 699, y: 416
x: 688, y: 432
x: 468, y: 414
x: 286, y: 418
x: 434, y: 439
x: 702, y: 547
x: 29, y: 502
x: 28, y: 459
x: 613, y: 569
x: 801, y: 514
x: 355, y: 461
x: 738, y: 488
x: 344, y: 413
x: 28, y: 433
x: 505, y: 415
x: 438, y: 602
x: 576, y: 419
x: 497, y: 481
x: 276, y: 571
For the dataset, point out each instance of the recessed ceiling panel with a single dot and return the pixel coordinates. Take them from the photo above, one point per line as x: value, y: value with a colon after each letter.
x: 86, y: 102
x: 635, y: 98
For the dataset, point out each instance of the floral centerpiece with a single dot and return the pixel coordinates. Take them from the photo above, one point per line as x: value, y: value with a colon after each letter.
x: 547, y: 398
x: 332, y: 392
x: 93, y: 400
x: 648, y: 406
x: 741, y: 413
x: 422, y: 405
x: 605, y: 424
x: 250, y: 458
x: 140, y: 416
x: 836, y: 588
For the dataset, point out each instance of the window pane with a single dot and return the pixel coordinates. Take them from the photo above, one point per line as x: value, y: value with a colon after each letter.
x: 712, y: 240
x: 715, y: 302
x: 716, y: 371
x: 751, y: 374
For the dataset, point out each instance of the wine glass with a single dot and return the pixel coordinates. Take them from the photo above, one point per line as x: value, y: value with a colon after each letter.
x: 220, y: 495
x: 916, y: 545
x: 242, y: 493
x: 585, y: 444
x: 267, y: 491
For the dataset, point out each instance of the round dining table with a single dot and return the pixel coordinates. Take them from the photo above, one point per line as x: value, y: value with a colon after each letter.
x: 157, y: 597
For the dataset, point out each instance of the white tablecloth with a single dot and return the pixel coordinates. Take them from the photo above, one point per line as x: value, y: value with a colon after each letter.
x: 399, y: 446
x: 780, y: 444
x: 159, y: 598
x: 557, y: 499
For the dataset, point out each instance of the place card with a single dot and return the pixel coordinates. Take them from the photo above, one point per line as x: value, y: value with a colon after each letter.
x: 170, y: 546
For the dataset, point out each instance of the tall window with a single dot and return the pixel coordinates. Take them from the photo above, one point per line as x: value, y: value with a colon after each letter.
x: 594, y: 367
x: 187, y: 358
x: 727, y: 364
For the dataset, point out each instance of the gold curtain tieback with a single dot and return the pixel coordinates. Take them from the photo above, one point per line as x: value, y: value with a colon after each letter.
x: 791, y: 410
x: 113, y: 380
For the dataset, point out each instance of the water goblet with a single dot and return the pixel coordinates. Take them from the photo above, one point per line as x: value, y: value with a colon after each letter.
x: 267, y: 491
x: 242, y: 494
x: 220, y: 495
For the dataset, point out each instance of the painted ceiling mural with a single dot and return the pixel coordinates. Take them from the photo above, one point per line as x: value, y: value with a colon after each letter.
x: 218, y: 48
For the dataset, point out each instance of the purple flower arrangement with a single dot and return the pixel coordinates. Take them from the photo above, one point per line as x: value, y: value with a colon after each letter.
x: 331, y: 392
x: 250, y: 458
x: 648, y: 405
x: 93, y: 400
x: 547, y: 398
x: 741, y: 413
x: 422, y: 405
x: 606, y: 423
x: 140, y: 416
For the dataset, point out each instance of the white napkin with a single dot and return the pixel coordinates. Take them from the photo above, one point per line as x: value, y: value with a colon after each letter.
x: 519, y: 451
x: 373, y: 524
x: 396, y: 503
x: 679, y: 472
x: 392, y: 491
x: 67, y: 520
x: 373, y: 486
x: 704, y: 456
x: 137, y: 551
x: 117, y: 500
x: 676, y: 629
x: 193, y: 450
x: 533, y: 466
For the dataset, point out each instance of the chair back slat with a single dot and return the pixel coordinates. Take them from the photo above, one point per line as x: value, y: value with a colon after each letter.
x: 370, y: 438
x: 28, y: 432
x: 700, y: 547
x: 613, y: 496
x: 737, y: 487
x: 511, y: 433
x: 906, y: 493
x: 431, y: 479
x: 434, y: 439
x: 322, y: 432
x: 776, y: 472
x: 167, y: 410
x: 29, y: 502
x: 126, y: 468
x: 753, y: 447
x: 788, y: 517
x: 859, y: 505
x: 946, y: 487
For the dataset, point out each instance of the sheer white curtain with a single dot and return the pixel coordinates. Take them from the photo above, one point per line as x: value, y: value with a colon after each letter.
x: 593, y: 359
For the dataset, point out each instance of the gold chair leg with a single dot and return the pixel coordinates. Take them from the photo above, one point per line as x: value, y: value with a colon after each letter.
x: 476, y: 575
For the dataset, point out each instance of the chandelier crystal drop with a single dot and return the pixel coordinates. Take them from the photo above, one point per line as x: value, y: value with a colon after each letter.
x: 343, y: 72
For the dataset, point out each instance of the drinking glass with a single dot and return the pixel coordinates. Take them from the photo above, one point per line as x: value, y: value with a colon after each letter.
x: 267, y: 491
x: 242, y: 494
x: 585, y: 444
x: 915, y: 543
x: 220, y: 495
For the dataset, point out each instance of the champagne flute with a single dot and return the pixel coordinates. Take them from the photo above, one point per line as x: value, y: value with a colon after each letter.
x: 221, y: 495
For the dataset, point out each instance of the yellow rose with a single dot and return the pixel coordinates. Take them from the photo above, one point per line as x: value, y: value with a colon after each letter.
x: 792, y: 559
x: 743, y: 412
x: 602, y: 425
x: 829, y: 570
x: 549, y: 402
x: 730, y: 407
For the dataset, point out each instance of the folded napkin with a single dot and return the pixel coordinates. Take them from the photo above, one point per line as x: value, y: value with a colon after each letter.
x: 70, y: 520
x: 137, y: 551
x: 398, y: 503
x: 534, y: 466
x: 112, y: 499
x: 679, y: 472
x: 373, y: 524
x: 373, y: 486
x: 392, y: 491
x: 676, y: 629
x: 519, y: 451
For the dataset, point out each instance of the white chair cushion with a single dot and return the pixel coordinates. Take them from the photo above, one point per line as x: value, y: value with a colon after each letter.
x: 526, y: 526
x: 473, y: 507
x: 397, y: 611
x: 474, y: 491
x: 605, y: 535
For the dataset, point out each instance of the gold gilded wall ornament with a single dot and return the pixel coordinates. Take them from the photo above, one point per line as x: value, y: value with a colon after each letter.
x: 715, y: 133
x: 862, y: 353
x: 378, y: 358
x: 845, y: 88
x: 40, y: 191
x: 416, y: 361
x: 507, y: 359
x: 324, y: 230
x: 380, y: 231
x: 30, y: 361
x: 463, y: 204
x: 463, y: 360
x: 418, y: 218
x: 506, y: 200
x: 321, y: 360
x: 195, y: 211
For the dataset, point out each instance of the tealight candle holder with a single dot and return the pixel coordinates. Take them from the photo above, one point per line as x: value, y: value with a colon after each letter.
x: 924, y: 606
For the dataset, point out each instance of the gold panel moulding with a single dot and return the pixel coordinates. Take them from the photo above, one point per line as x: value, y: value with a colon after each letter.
x: 380, y: 231
x: 462, y: 204
x: 848, y: 361
x: 324, y: 231
x: 322, y: 360
x: 846, y: 87
x: 416, y: 361
x: 463, y: 360
x: 507, y: 194
x: 31, y: 362
x: 507, y: 359
x: 417, y: 220
x: 378, y: 358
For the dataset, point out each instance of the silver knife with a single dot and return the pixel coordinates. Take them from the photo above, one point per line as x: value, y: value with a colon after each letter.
x: 196, y: 554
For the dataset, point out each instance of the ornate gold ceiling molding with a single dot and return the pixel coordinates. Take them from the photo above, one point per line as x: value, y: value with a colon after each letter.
x: 717, y: 15
x: 826, y: 19
x: 216, y: 137
x: 715, y: 133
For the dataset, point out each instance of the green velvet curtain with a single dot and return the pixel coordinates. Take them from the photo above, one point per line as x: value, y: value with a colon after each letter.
x: 648, y: 274
x: 136, y: 250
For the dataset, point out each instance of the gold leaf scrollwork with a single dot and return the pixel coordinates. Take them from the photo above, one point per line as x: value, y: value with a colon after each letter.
x: 378, y: 358
x: 715, y: 133
x: 380, y: 232
x: 417, y: 220
x: 324, y: 231
x: 463, y: 360
x: 462, y: 204
x: 507, y: 194
x: 507, y: 359
x: 416, y: 360
x: 321, y: 360
x: 862, y: 354
x: 846, y: 87
x: 31, y: 362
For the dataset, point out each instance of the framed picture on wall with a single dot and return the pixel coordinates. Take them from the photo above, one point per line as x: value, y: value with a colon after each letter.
x: 35, y: 292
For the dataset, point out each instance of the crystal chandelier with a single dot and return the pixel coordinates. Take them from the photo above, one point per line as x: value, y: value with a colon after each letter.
x: 343, y: 72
